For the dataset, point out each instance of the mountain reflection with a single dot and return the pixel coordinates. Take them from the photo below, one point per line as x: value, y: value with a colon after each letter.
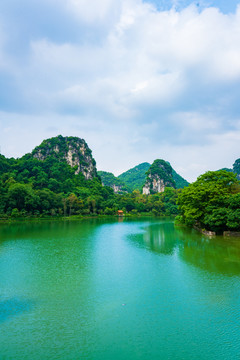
x: 218, y: 255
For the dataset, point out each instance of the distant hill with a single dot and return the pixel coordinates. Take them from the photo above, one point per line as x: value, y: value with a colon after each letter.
x: 236, y: 168
x: 108, y: 179
x: 179, y: 180
x: 135, y: 177
x: 159, y: 176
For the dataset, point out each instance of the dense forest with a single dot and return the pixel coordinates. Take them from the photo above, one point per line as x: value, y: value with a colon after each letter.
x: 47, y: 182
x: 135, y: 177
x: 59, y: 178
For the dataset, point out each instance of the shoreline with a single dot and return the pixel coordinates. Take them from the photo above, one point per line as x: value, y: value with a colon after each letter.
x: 11, y: 220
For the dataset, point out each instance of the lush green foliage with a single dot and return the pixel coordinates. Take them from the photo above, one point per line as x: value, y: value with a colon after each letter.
x: 108, y: 179
x: 31, y: 187
x: 135, y: 177
x: 179, y: 180
x: 212, y: 202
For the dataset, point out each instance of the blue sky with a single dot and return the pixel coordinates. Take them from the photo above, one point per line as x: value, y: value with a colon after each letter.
x: 138, y: 80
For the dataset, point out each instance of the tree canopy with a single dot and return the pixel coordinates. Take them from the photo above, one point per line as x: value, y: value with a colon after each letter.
x: 212, y: 202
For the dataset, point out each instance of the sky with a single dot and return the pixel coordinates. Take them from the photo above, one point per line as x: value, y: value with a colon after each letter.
x: 138, y: 80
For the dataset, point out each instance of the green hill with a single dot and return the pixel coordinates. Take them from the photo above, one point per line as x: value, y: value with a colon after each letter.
x: 179, y: 180
x: 57, y: 177
x: 135, y: 177
x: 236, y: 168
x: 108, y: 179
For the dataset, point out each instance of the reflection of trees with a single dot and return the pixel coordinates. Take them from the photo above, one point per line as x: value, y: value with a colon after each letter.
x: 161, y: 238
x: 216, y: 255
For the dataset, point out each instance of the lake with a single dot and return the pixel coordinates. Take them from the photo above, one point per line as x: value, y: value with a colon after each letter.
x: 117, y: 289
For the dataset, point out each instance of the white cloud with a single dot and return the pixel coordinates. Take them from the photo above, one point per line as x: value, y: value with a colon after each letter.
x: 154, y: 84
x: 158, y: 49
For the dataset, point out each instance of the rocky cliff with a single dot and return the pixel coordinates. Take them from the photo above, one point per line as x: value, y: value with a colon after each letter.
x: 135, y: 178
x: 159, y: 176
x: 73, y: 150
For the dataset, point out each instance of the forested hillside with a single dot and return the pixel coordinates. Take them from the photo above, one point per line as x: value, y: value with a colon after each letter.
x: 135, y: 178
x: 59, y: 178
x: 108, y: 179
x: 180, y: 182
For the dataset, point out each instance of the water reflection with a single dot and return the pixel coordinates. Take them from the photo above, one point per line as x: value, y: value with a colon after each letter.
x: 161, y: 238
x: 80, y: 274
x: 218, y: 255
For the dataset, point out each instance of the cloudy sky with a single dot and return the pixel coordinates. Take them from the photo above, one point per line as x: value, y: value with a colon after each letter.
x: 138, y: 80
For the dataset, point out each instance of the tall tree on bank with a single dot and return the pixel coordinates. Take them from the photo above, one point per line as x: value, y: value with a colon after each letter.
x: 211, y: 202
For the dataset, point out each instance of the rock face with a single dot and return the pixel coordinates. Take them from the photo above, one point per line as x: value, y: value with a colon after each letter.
x: 154, y: 186
x: 117, y: 189
x: 108, y: 179
x: 73, y: 150
x: 159, y: 176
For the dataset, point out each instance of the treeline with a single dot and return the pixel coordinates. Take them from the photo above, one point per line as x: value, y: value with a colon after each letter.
x: 30, y: 187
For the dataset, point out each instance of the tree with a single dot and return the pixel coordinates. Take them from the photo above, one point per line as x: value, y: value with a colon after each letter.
x: 204, y: 202
x: 21, y: 196
x: 72, y: 202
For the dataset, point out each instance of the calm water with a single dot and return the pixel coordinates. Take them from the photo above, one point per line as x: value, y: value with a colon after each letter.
x: 110, y: 290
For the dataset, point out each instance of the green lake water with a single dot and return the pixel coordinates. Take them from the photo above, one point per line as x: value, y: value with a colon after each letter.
x: 117, y: 290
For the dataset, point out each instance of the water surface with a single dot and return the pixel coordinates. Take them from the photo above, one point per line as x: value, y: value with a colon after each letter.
x: 109, y: 290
